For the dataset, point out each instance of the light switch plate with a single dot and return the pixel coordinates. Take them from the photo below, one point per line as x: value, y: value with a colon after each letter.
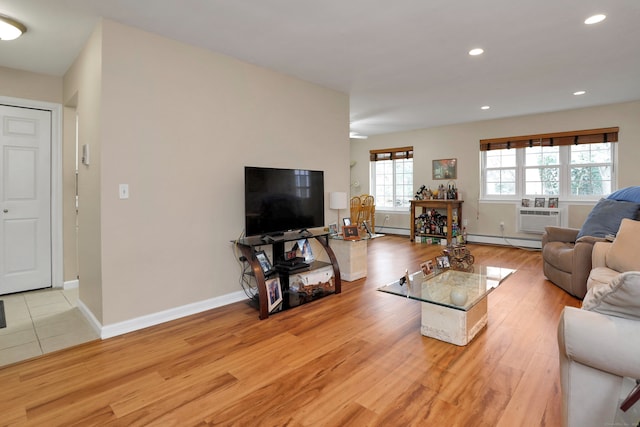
x: 124, y: 191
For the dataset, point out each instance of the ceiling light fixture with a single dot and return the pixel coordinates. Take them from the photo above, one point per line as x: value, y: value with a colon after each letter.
x: 595, y: 19
x: 485, y: 107
x: 10, y: 29
x: 476, y: 52
x: 579, y: 92
x: 356, y: 135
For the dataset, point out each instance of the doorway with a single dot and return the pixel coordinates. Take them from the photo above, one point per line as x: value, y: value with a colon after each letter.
x: 25, y: 199
x: 31, y: 253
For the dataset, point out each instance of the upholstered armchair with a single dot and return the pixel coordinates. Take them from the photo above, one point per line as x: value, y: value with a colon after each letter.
x: 566, y: 252
x: 566, y: 259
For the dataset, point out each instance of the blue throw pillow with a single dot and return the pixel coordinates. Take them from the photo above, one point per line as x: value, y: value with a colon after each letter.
x: 606, y: 216
x: 630, y: 194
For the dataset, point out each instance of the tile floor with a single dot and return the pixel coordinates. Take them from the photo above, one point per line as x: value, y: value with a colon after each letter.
x: 41, y: 322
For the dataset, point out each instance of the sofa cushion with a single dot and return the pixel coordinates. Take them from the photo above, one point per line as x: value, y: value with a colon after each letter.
x: 620, y: 297
x: 630, y: 194
x: 623, y: 253
x: 605, y: 217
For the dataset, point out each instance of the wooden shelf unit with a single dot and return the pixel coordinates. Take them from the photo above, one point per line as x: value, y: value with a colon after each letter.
x: 438, y: 204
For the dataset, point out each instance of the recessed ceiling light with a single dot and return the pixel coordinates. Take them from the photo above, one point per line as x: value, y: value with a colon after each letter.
x: 356, y: 135
x: 10, y: 29
x: 595, y: 19
x: 579, y: 92
x: 485, y: 107
x: 475, y: 52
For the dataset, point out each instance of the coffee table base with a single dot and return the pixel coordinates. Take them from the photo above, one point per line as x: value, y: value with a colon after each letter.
x: 453, y: 326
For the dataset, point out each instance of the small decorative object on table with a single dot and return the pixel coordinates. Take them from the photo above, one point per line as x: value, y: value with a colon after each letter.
x: 553, y: 202
x: 525, y: 203
x: 539, y: 202
x: 460, y: 257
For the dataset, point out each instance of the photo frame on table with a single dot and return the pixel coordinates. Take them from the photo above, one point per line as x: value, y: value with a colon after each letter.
x: 346, y: 221
x: 443, y: 261
x: 525, y: 203
x: 350, y: 232
x: 553, y: 202
x: 366, y: 228
x: 444, y: 168
x: 427, y: 267
x: 539, y: 202
x: 333, y: 229
x: 274, y: 293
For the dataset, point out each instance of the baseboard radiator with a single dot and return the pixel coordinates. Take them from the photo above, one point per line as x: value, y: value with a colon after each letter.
x: 531, y: 220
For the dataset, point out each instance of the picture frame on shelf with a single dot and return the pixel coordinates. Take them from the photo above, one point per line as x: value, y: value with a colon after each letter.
x: 333, y: 229
x: 553, y: 202
x: 304, y: 250
x: 350, y: 232
x: 444, y: 169
x: 265, y: 264
x: 274, y: 293
x: 539, y: 202
x: 346, y: 221
x: 525, y: 203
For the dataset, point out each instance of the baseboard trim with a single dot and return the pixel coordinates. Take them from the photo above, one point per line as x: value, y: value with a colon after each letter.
x: 120, y: 328
x: 518, y: 242
x: 71, y: 284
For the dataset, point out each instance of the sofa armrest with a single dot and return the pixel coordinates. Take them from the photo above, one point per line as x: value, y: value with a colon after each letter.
x: 599, y: 253
x: 603, y: 342
x: 559, y: 234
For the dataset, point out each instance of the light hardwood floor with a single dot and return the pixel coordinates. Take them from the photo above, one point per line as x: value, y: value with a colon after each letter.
x: 353, y: 359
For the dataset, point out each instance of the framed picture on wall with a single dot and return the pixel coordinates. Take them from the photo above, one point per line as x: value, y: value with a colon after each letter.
x: 444, y: 169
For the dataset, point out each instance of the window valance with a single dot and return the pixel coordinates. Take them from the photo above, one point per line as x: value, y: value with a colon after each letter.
x: 391, y: 154
x: 577, y: 137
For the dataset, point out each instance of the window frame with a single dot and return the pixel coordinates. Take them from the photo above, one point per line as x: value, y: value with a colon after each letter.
x: 563, y: 141
x: 392, y: 155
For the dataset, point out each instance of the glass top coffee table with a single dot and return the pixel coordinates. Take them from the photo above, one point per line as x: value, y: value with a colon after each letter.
x: 454, y: 303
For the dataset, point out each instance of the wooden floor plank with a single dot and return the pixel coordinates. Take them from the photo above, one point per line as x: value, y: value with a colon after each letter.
x: 356, y: 358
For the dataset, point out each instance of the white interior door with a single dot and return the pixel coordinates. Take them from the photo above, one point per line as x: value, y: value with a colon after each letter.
x: 25, y: 199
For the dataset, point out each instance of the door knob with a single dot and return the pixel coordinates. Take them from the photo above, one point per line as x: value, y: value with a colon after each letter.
x: 5, y: 210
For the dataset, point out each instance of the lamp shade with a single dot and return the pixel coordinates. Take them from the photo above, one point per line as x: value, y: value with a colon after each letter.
x: 337, y: 200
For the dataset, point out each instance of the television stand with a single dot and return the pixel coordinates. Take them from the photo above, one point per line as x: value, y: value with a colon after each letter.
x: 247, y: 247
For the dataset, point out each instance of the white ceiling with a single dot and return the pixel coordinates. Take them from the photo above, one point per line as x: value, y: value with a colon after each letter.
x: 404, y: 63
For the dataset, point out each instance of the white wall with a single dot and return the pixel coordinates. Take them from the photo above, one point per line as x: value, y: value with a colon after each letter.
x: 178, y: 124
x: 462, y: 142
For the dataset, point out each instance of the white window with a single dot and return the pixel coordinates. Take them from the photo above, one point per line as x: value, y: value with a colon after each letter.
x: 570, y: 167
x: 392, y: 178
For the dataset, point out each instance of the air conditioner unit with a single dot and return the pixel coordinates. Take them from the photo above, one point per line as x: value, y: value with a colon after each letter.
x: 535, y: 220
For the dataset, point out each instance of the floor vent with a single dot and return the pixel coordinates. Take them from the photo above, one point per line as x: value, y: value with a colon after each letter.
x: 535, y: 220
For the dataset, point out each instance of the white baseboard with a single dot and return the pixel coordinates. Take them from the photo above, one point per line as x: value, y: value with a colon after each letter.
x: 71, y: 284
x: 115, y: 329
x: 489, y: 240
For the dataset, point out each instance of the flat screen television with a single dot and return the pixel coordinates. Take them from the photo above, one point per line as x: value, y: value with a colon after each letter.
x: 279, y: 200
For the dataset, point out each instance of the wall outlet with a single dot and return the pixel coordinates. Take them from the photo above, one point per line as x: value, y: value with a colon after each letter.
x: 465, y: 222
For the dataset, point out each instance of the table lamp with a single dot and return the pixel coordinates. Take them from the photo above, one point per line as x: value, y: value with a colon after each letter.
x: 338, y: 200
